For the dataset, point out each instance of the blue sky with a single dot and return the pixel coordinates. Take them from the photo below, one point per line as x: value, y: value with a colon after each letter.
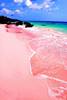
x: 35, y: 10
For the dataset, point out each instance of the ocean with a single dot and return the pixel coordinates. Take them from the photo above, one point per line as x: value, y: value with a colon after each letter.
x: 59, y: 26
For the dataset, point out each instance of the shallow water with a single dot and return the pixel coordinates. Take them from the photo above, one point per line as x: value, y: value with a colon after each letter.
x: 59, y: 26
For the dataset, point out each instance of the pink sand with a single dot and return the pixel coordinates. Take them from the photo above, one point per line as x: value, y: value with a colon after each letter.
x: 18, y: 64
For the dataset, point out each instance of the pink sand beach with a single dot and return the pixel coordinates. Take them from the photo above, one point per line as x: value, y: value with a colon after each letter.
x: 33, y: 63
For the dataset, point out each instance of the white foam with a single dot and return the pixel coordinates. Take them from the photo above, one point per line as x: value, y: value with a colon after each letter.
x: 49, y: 77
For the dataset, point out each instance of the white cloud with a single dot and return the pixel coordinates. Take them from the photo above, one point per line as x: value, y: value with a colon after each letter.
x: 10, y: 12
x: 2, y: 4
x: 6, y: 11
x: 35, y: 6
x: 17, y: 11
x: 47, y: 4
x: 32, y: 5
x: 28, y: 3
x: 18, y: 1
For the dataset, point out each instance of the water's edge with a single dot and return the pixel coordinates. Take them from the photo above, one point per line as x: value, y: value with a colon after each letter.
x: 59, y: 26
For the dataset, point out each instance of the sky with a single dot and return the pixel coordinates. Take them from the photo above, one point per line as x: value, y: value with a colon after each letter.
x: 35, y: 10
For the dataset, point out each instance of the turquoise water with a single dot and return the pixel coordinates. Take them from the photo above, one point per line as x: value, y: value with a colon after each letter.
x: 60, y: 26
